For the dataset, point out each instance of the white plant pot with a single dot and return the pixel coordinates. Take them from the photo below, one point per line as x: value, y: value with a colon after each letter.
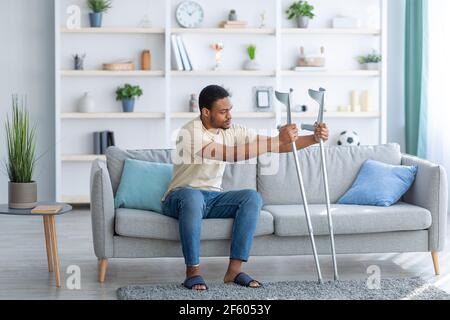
x: 372, y: 66
x: 86, y: 104
x: 251, y: 65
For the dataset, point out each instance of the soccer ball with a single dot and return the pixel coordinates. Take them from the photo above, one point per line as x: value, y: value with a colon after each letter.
x: 348, y: 138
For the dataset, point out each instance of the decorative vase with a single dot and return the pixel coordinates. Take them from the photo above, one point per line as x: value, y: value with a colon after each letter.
x: 372, y: 66
x: 78, y: 61
x: 146, y: 63
x: 251, y: 65
x: 95, y: 19
x: 86, y: 104
x: 302, y: 22
x: 22, y: 195
x: 193, y: 103
x: 232, y: 16
x: 128, y: 105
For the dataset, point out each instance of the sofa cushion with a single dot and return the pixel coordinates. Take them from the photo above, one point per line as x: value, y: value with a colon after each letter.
x: 379, y: 184
x: 143, y: 184
x: 237, y: 176
x: 115, y: 160
x: 277, y: 171
x: 148, y: 224
x: 349, y: 219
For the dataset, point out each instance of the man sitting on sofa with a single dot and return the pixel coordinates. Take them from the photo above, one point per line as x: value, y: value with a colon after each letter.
x: 204, y: 145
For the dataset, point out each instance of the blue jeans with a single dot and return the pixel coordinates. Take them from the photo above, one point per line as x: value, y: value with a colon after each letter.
x: 190, y: 206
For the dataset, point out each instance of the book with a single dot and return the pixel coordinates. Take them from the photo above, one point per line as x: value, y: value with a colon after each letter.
x: 183, y: 46
x: 309, y: 69
x: 235, y: 22
x: 103, y: 141
x: 97, y: 143
x: 111, y: 139
x: 176, y: 57
x: 184, y: 57
x: 47, y: 209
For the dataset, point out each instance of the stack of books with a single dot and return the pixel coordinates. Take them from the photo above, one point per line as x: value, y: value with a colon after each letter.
x: 233, y: 24
x: 103, y: 140
x: 47, y: 209
x: 180, y: 57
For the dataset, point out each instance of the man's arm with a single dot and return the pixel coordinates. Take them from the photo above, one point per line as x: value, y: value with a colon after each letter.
x: 261, y: 145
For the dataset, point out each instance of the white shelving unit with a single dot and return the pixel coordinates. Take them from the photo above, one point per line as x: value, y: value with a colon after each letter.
x: 168, y: 118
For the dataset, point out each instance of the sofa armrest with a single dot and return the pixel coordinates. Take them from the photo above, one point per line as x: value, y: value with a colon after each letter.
x: 102, y: 210
x: 429, y: 191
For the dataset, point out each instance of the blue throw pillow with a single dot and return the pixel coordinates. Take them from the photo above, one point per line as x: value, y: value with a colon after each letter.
x: 143, y: 184
x: 379, y: 184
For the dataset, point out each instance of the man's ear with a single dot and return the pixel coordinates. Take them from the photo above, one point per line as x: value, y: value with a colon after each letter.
x: 205, y: 112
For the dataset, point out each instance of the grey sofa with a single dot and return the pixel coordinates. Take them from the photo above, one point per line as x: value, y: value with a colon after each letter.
x: 416, y: 224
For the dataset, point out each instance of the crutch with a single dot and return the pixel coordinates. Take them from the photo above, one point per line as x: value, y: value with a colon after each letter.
x: 285, y: 98
x: 319, y: 97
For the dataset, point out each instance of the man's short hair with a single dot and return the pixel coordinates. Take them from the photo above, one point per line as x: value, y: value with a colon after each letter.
x: 210, y: 95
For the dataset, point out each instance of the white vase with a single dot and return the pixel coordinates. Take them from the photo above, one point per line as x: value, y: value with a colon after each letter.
x: 86, y: 104
x: 372, y: 66
x: 251, y: 65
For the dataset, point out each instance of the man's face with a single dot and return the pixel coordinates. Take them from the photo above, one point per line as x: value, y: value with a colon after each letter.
x: 220, y: 114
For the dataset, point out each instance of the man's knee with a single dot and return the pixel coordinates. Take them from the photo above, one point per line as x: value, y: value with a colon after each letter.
x: 252, y: 197
x: 190, y: 200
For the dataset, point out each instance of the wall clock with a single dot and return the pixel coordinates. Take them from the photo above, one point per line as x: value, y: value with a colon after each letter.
x: 189, y: 14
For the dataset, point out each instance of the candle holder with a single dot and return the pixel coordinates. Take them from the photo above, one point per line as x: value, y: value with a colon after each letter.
x: 218, y: 48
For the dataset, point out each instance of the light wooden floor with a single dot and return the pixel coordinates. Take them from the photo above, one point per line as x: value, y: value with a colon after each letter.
x: 24, y: 274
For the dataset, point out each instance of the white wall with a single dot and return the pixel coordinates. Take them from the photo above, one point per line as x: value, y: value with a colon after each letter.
x: 27, y: 63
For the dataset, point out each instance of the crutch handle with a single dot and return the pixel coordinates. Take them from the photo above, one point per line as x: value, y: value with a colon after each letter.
x: 308, y: 127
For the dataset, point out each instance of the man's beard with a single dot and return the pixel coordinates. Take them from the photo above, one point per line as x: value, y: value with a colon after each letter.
x: 215, y: 124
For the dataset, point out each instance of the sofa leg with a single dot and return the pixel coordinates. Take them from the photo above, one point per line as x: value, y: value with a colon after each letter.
x: 103, y: 265
x: 435, y: 256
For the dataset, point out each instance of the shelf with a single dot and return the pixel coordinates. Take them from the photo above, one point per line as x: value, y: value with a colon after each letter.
x: 335, y: 115
x: 104, y: 73
x: 82, y: 157
x: 355, y: 31
x: 223, y: 73
x: 115, y: 30
x: 76, y: 199
x: 267, y: 31
x: 235, y: 115
x: 332, y: 73
x: 113, y: 115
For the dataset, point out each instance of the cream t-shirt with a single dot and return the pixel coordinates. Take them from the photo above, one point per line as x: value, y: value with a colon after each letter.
x: 190, y: 169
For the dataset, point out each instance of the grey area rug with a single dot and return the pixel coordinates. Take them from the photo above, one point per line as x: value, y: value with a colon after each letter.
x: 390, y: 289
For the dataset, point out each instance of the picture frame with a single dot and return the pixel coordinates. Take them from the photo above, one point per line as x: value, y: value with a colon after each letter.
x: 263, y: 99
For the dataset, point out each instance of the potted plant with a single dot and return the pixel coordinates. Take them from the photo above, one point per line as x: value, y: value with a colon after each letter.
x: 371, y: 61
x: 251, y: 63
x: 22, y: 190
x: 98, y: 7
x: 128, y: 94
x: 302, y: 11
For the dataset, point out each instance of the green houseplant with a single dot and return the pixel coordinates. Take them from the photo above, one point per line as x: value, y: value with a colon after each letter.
x: 128, y: 94
x: 371, y: 61
x: 98, y: 7
x: 21, y: 143
x: 251, y: 63
x: 302, y: 11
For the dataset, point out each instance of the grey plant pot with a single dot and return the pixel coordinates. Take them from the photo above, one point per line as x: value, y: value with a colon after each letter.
x: 22, y: 195
x: 128, y: 105
x: 95, y: 18
x: 302, y: 22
